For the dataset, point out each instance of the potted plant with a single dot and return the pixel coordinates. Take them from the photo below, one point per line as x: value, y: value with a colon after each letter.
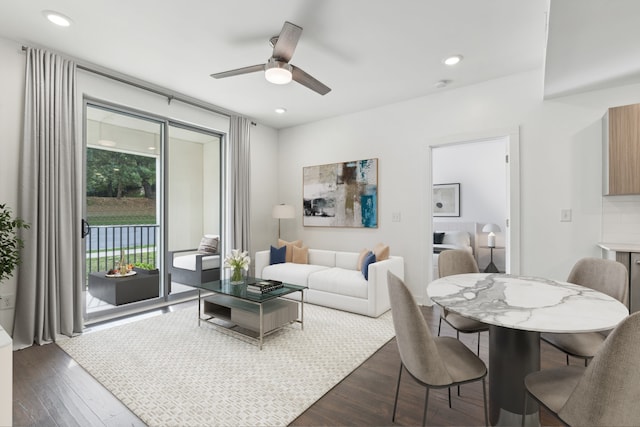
x: 144, y: 268
x: 10, y: 243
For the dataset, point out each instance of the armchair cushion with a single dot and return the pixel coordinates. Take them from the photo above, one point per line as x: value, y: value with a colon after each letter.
x: 209, y: 244
x: 188, y: 262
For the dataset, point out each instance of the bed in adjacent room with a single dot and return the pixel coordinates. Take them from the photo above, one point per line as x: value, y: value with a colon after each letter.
x: 452, y: 235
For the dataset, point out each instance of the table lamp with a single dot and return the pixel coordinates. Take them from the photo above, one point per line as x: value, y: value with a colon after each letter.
x: 283, y: 211
x: 491, y: 238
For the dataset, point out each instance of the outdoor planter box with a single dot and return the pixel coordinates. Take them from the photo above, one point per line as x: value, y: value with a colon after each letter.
x: 123, y: 290
x: 145, y: 271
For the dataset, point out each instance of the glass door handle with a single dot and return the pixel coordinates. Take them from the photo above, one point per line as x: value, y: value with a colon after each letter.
x: 84, y: 228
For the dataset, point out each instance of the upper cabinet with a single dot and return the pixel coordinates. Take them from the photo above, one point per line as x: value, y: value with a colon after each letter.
x: 621, y: 150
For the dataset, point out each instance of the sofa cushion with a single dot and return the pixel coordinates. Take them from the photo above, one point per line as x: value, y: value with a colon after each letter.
x: 348, y: 260
x: 339, y: 281
x: 300, y: 255
x: 361, y: 257
x: 296, y: 274
x: 382, y: 251
x: 322, y: 257
x: 369, y: 259
x: 277, y: 255
x: 188, y: 262
x: 289, y: 246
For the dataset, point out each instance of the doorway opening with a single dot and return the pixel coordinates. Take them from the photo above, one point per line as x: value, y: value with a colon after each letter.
x: 485, y: 169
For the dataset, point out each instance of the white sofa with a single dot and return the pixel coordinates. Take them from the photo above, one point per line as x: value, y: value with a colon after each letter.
x: 333, y: 280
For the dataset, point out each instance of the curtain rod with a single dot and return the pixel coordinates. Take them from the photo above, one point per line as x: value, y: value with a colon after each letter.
x: 140, y: 84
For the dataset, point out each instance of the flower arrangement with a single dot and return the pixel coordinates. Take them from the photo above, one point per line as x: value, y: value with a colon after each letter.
x: 237, y: 261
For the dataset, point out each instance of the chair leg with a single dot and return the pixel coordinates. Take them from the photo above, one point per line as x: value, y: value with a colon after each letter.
x: 478, y: 344
x: 395, y: 403
x: 439, y: 325
x: 449, y: 390
x: 567, y: 360
x: 484, y: 398
x: 426, y: 404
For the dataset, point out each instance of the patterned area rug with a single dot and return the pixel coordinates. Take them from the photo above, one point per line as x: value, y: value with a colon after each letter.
x: 170, y: 372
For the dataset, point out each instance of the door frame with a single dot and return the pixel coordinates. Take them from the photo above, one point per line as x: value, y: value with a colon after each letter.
x: 512, y: 229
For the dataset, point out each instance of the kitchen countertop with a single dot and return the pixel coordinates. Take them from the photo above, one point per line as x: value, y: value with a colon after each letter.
x: 620, y: 247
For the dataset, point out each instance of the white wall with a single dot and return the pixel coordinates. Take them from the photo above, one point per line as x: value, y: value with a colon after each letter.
x: 560, y: 168
x: 12, y: 70
x: 264, y: 188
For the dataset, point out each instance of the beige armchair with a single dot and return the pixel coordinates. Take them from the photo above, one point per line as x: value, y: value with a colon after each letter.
x: 607, y: 276
x: 458, y: 261
x: 606, y: 393
x: 440, y: 362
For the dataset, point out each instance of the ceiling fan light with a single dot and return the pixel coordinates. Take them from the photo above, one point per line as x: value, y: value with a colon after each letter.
x: 277, y: 72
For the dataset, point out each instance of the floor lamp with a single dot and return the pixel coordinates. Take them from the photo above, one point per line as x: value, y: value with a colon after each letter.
x: 283, y: 211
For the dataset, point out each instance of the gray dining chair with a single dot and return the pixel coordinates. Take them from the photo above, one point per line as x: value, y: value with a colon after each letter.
x: 457, y: 261
x: 440, y: 362
x: 605, y: 393
x: 606, y: 276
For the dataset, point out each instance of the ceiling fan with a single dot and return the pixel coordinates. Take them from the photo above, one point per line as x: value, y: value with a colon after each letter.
x: 278, y: 70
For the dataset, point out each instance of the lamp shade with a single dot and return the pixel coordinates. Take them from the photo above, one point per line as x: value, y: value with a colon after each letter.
x: 491, y: 238
x: 491, y: 228
x: 283, y: 211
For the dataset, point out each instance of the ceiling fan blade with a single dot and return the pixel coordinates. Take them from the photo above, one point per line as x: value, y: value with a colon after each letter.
x: 287, y: 42
x: 307, y: 80
x: 238, y: 71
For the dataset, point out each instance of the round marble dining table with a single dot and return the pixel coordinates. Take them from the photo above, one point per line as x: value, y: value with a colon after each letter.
x: 517, y: 309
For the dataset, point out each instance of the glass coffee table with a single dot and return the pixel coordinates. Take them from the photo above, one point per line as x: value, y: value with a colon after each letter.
x: 251, y: 315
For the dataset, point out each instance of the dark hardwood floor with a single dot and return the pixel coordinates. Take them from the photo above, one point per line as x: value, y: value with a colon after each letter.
x: 50, y: 389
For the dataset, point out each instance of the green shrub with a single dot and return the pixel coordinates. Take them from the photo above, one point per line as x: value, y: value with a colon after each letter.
x: 10, y: 243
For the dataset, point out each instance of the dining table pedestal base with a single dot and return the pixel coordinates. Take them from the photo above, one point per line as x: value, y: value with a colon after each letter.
x: 513, y: 354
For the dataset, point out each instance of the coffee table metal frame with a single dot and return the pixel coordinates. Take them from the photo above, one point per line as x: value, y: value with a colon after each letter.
x: 239, y: 292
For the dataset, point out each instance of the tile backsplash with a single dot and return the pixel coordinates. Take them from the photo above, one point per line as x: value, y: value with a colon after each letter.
x: 621, y: 219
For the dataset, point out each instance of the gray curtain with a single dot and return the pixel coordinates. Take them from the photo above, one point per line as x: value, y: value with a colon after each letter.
x: 240, y: 161
x: 49, y: 294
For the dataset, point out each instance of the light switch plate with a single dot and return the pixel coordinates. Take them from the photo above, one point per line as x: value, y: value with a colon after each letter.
x: 565, y: 215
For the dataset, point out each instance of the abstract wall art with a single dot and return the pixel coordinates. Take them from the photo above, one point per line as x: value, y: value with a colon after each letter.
x: 446, y: 199
x: 341, y: 194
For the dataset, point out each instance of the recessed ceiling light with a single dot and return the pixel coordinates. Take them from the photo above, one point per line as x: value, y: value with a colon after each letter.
x: 151, y: 148
x: 452, y: 60
x: 281, y: 110
x: 57, y: 18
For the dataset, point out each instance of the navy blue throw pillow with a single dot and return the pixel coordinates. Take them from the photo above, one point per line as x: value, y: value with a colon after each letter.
x: 369, y: 259
x: 277, y: 255
x: 438, y: 238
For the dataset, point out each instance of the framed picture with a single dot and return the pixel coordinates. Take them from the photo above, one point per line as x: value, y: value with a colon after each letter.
x: 446, y: 199
x: 341, y: 194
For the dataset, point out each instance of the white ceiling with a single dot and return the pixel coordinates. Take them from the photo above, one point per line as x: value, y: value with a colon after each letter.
x: 370, y: 52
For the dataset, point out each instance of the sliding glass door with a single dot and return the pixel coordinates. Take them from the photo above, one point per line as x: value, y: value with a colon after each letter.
x: 193, y: 189
x: 152, y: 185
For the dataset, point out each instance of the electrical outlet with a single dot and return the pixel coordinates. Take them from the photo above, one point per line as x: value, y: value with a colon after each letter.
x: 7, y: 301
x: 395, y: 217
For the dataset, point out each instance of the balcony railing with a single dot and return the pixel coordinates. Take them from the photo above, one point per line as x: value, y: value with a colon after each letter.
x: 105, y: 244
